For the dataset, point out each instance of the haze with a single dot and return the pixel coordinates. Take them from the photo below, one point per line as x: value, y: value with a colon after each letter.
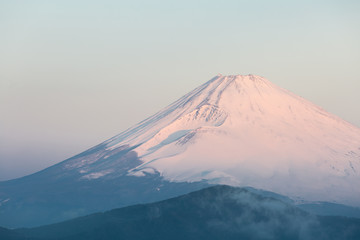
x: 75, y: 73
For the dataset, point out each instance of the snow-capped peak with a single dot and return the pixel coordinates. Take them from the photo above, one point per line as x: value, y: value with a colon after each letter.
x: 243, y: 130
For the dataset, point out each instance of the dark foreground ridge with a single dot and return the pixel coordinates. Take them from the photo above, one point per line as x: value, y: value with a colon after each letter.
x: 219, y: 212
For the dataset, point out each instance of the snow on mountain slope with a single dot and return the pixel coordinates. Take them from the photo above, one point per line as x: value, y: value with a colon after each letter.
x: 245, y: 131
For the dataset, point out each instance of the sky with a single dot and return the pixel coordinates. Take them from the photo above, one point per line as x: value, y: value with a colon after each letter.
x: 75, y: 73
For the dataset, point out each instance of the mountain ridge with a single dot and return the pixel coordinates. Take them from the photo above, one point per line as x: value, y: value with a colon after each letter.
x: 218, y: 212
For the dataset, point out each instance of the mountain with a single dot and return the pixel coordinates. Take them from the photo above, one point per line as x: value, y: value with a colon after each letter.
x: 219, y: 212
x: 243, y: 130
x: 235, y: 130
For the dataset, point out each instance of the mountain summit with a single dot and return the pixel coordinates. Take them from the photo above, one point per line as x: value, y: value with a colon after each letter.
x: 235, y: 130
x: 245, y: 131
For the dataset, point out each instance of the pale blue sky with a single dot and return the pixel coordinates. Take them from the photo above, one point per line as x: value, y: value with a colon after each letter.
x: 74, y: 73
